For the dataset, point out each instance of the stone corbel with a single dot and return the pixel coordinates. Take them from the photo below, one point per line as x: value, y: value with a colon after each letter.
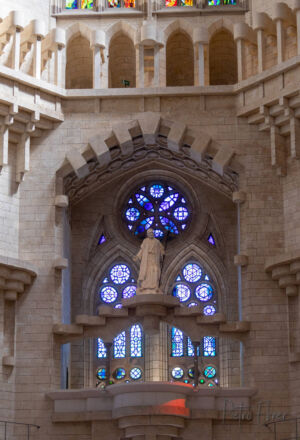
x: 15, y: 275
x: 286, y: 270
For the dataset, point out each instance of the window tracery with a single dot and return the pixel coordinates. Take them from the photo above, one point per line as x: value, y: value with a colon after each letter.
x: 117, y: 285
x: 160, y: 206
x: 194, y: 287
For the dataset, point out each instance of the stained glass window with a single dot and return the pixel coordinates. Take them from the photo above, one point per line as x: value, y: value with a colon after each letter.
x: 119, y: 373
x: 193, y: 287
x: 101, y: 373
x: 159, y: 206
x: 211, y: 240
x: 135, y: 373
x: 209, y: 346
x: 120, y: 345
x: 177, y: 342
x: 79, y: 4
x: 210, y: 372
x: 117, y: 285
x: 136, y: 341
x: 101, y: 350
x: 177, y: 373
x: 222, y: 2
x: 170, y: 3
x: 102, y: 239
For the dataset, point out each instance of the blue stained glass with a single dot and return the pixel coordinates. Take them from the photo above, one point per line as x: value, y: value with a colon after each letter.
x: 193, y: 304
x: 147, y: 222
x: 191, y: 373
x: 190, y: 348
x: 192, y: 272
x: 209, y: 310
x: 177, y: 373
x: 210, y: 372
x: 102, y: 239
x: 120, y: 346
x: 135, y: 373
x: 206, y: 278
x: 120, y: 273
x: 169, y: 225
x: 144, y: 202
x: 108, y: 294
x: 132, y: 214
x: 136, y: 341
x: 182, y: 292
x: 158, y: 206
x: 204, y: 292
x: 181, y: 213
x: 105, y: 280
x: 209, y: 346
x: 129, y: 292
x: 177, y: 342
x: 101, y: 349
x: 101, y: 373
x: 118, y: 306
x: 211, y: 240
x: 158, y: 233
x: 169, y: 202
x: 214, y: 2
x: 71, y: 4
x: 211, y: 384
x: 119, y: 373
x: 178, y: 278
x: 156, y: 191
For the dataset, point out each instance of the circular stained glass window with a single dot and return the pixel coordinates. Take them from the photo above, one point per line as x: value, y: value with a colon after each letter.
x: 177, y: 373
x: 108, y: 294
x: 159, y: 206
x: 192, y: 272
x: 209, y: 310
x: 191, y: 373
x: 129, y: 292
x: 117, y: 285
x: 210, y: 372
x: 120, y: 273
x: 101, y: 373
x: 182, y: 292
x: 135, y: 373
x: 204, y: 292
x: 119, y: 373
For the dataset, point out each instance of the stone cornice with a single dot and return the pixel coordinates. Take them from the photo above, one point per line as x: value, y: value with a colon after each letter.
x: 15, y: 275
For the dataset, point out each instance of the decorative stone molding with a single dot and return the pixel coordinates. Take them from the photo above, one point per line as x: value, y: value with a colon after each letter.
x: 239, y: 197
x: 61, y: 263
x: 61, y: 201
x: 286, y: 270
x: 241, y: 260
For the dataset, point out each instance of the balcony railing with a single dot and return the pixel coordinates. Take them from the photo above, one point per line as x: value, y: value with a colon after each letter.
x: 11, y: 430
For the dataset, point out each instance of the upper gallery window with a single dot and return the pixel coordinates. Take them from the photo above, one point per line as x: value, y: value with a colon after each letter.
x: 79, y: 4
x: 160, y: 206
x: 221, y: 2
x: 116, y: 285
x: 170, y: 3
x: 121, y: 3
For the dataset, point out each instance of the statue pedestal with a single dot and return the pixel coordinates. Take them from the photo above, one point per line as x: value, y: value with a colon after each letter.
x: 151, y: 307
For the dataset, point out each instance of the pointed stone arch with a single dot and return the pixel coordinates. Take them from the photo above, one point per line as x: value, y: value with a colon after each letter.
x: 176, y: 26
x: 120, y: 27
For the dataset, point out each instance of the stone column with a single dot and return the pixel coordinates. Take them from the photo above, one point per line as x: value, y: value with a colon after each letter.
x: 156, y: 66
x: 16, y: 49
x: 140, y: 66
x: 59, y: 69
x: 260, y: 49
x: 156, y: 355
x: 98, y: 45
x: 280, y: 41
x: 240, y: 59
x: 201, y: 67
x: 37, y: 58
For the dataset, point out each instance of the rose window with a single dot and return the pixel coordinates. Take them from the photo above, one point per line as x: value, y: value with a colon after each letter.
x: 159, y: 206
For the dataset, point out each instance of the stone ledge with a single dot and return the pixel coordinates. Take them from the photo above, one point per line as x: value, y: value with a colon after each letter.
x: 285, y: 269
x: 67, y: 329
x: 87, y: 320
x: 14, y: 276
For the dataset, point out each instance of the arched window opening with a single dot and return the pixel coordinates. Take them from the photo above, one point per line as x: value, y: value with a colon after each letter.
x: 117, y: 284
x: 127, y: 356
x: 172, y: 3
x: 222, y: 59
x: 79, y: 67
x: 122, y: 62
x: 193, y: 286
x: 180, y: 60
x: 181, y: 361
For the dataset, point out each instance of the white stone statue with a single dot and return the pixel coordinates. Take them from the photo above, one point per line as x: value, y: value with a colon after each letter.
x: 150, y: 258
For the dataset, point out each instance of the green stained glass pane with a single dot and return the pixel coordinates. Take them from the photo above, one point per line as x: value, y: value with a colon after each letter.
x: 71, y: 4
x: 87, y: 4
